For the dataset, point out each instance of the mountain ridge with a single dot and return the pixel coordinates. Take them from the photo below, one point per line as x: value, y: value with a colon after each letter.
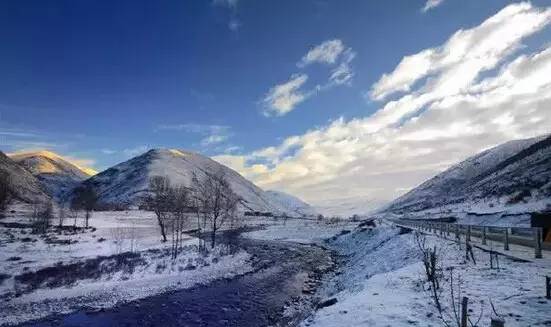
x: 23, y: 185
x: 56, y: 174
x: 127, y: 182
x: 495, y: 175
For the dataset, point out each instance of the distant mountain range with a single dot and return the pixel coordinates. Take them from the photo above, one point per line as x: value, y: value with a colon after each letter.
x: 127, y: 182
x: 511, y: 173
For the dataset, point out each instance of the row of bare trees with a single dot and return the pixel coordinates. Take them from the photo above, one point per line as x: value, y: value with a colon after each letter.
x: 210, y: 199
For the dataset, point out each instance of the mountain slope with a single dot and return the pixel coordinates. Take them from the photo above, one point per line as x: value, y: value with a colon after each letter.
x: 127, y: 183
x: 24, y: 185
x: 56, y: 175
x: 511, y: 172
x: 292, y: 203
x: 347, y: 207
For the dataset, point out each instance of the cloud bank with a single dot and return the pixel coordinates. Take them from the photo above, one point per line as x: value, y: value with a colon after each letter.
x: 472, y: 92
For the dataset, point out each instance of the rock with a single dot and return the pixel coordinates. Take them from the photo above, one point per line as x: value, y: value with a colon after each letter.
x: 327, y: 303
x: 190, y: 267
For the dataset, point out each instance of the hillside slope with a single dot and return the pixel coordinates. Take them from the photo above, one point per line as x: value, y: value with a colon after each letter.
x: 127, y: 183
x: 56, y: 175
x: 23, y: 184
x: 507, y: 174
x: 292, y: 203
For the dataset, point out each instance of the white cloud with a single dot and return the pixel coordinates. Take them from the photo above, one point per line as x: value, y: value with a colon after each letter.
x: 108, y: 151
x: 431, y: 4
x: 135, y: 151
x: 466, y: 53
x: 234, y: 24
x: 342, y: 74
x: 327, y: 52
x: 450, y: 116
x: 213, y: 139
x: 212, y: 134
x: 283, y: 98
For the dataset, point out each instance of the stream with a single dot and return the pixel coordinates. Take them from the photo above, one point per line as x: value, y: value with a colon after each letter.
x: 278, y: 292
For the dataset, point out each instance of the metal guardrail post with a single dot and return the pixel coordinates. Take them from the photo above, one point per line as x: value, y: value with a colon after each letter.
x: 537, y: 242
x: 506, y: 239
x: 484, y: 235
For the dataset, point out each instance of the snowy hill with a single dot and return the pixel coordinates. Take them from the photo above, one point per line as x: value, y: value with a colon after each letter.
x: 292, y: 203
x: 24, y: 185
x: 56, y: 175
x: 347, y: 207
x: 127, y: 182
x: 508, y: 174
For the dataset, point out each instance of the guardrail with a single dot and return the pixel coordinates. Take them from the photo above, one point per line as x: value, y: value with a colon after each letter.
x: 525, y: 236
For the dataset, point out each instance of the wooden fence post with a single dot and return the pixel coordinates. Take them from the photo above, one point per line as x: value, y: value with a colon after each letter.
x: 537, y: 242
x: 464, y: 304
x: 497, y: 322
x: 468, y: 237
x: 547, y: 287
x: 506, y: 239
x: 457, y: 232
x: 483, y: 235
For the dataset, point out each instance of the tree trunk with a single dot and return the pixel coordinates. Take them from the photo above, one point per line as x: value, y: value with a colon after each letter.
x: 162, y: 226
x: 213, y: 235
x: 213, y: 238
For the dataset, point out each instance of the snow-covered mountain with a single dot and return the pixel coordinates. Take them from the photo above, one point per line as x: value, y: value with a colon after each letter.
x: 292, y: 203
x: 513, y: 172
x: 23, y: 184
x: 347, y: 207
x: 56, y: 175
x: 127, y: 182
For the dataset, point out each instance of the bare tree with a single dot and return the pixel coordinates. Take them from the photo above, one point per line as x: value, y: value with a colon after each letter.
x: 179, y: 206
x: 86, y: 199
x: 215, y: 200
x: 73, y: 213
x: 43, y: 217
x: 158, y: 200
x: 61, y: 214
x: 431, y: 264
x: 5, y: 192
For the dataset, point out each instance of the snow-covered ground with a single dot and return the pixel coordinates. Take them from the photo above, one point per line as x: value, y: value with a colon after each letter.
x: 305, y: 231
x: 383, y: 284
x: 119, y: 260
x: 482, y: 213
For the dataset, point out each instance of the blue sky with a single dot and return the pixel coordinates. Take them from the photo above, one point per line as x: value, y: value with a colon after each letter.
x: 102, y: 81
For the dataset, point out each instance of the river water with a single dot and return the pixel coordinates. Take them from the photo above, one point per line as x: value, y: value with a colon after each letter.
x: 285, y: 276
